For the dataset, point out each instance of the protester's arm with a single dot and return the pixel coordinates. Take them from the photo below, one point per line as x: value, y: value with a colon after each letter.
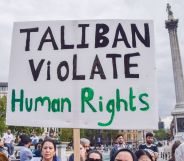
x: 156, y: 152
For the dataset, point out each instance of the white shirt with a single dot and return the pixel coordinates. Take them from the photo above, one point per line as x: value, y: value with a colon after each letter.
x: 8, y: 138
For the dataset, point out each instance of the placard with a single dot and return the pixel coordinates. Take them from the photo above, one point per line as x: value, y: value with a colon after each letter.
x: 97, y: 74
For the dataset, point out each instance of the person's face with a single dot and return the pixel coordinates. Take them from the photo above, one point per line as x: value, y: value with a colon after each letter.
x: 81, y: 147
x: 94, y: 157
x: 120, y: 140
x: 149, y: 139
x: 39, y: 146
x: 123, y: 156
x: 9, y: 131
x: 144, y: 158
x: 1, y: 143
x: 48, y: 150
x: 82, y: 151
x: 86, y: 146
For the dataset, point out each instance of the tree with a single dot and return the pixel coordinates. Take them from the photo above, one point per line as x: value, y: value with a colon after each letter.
x: 66, y: 135
x: 162, y: 134
x: 3, y: 126
x: 15, y: 129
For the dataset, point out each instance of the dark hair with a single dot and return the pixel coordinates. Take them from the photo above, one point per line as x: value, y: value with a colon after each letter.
x: 149, y: 134
x: 124, y: 150
x: 174, y: 146
x: 119, y: 136
x: 49, y: 140
x: 94, y: 151
x: 25, y: 139
x: 142, y: 152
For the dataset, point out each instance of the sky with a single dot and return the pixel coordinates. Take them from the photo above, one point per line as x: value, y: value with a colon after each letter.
x: 39, y: 10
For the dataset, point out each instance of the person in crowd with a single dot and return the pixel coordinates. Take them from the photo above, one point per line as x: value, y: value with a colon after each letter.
x: 9, y: 141
x: 3, y: 157
x: 48, y: 150
x: 167, y: 150
x: 37, y: 150
x: 84, y: 149
x: 179, y: 153
x: 143, y: 155
x: 2, y: 148
x: 86, y: 144
x: 20, y: 139
x: 120, y: 144
x: 34, y: 139
x: 47, y: 136
x: 174, y: 146
x: 124, y: 155
x: 25, y: 152
x: 149, y: 145
x: 94, y: 155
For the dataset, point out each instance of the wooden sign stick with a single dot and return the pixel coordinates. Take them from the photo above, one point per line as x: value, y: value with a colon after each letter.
x: 76, y: 138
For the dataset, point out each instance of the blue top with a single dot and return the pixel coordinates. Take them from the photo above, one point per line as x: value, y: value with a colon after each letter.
x: 25, y: 154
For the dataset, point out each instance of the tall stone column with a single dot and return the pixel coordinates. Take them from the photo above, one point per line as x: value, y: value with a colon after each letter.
x: 171, y: 24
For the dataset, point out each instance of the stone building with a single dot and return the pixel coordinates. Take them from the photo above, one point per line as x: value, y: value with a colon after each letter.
x: 3, y: 89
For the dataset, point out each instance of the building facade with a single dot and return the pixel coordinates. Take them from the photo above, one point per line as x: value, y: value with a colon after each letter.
x: 3, y: 89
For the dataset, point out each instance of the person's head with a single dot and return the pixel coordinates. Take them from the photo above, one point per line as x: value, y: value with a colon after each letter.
x: 40, y: 140
x: 120, y: 139
x: 94, y: 155
x: 3, y: 157
x: 8, y: 131
x: 143, y: 155
x: 48, y: 149
x: 46, y: 134
x: 149, y: 138
x: 124, y: 155
x: 85, y: 143
x: 38, y: 146
x: 174, y: 146
x: 26, y: 140
x: 1, y: 143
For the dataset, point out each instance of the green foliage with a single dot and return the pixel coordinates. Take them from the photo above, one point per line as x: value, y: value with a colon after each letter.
x: 15, y: 129
x: 107, y: 136
x: 27, y: 130
x: 3, y: 126
x: 162, y: 134
x: 66, y: 135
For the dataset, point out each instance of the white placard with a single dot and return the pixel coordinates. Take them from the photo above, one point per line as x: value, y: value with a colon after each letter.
x: 97, y: 74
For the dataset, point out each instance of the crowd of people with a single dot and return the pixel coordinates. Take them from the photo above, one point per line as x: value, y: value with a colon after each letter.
x: 46, y: 149
x: 42, y: 147
x: 120, y: 151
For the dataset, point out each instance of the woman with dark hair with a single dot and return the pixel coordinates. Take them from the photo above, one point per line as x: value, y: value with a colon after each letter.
x: 143, y: 155
x: 124, y: 155
x: 173, y: 149
x: 94, y: 155
x: 48, y: 150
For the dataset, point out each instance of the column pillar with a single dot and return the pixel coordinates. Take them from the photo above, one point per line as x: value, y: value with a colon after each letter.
x: 171, y: 24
